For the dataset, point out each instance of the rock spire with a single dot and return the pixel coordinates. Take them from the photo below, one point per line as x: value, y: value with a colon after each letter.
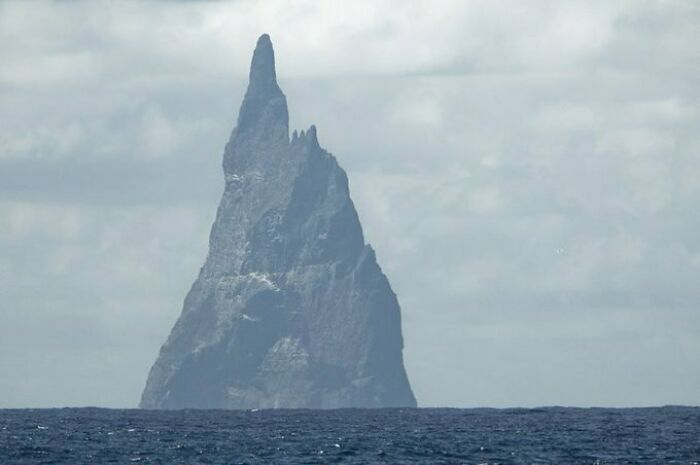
x: 290, y: 308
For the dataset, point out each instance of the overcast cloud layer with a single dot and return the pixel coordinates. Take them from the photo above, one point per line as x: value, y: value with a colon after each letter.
x: 528, y: 172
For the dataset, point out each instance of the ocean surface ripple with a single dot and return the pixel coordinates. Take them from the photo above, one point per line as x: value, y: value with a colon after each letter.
x: 665, y: 435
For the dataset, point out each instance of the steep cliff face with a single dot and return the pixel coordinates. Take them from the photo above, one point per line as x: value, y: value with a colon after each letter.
x: 290, y: 308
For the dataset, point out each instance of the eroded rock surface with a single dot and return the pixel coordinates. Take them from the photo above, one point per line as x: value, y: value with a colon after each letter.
x: 290, y: 308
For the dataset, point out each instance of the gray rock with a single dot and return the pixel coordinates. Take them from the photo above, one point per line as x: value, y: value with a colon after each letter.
x: 290, y: 308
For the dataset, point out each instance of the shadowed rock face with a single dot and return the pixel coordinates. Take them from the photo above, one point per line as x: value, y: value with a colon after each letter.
x: 290, y: 308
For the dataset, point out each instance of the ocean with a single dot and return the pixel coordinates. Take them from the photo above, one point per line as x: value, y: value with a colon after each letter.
x: 665, y: 435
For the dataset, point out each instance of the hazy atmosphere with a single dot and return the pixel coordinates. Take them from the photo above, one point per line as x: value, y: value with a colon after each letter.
x: 529, y: 175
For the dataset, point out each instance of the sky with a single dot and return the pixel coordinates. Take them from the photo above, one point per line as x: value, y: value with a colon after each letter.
x: 528, y: 173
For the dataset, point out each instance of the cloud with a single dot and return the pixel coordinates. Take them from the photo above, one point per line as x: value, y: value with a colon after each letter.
x: 526, y: 173
x: 88, y: 293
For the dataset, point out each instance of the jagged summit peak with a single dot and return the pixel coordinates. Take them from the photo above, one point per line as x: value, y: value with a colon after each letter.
x: 311, y: 135
x: 263, y: 117
x: 262, y: 67
x: 307, y: 137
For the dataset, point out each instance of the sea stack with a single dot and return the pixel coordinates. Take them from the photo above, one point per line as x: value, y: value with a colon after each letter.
x: 290, y: 309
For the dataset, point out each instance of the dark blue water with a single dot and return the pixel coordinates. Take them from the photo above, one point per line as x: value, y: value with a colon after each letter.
x: 666, y: 435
